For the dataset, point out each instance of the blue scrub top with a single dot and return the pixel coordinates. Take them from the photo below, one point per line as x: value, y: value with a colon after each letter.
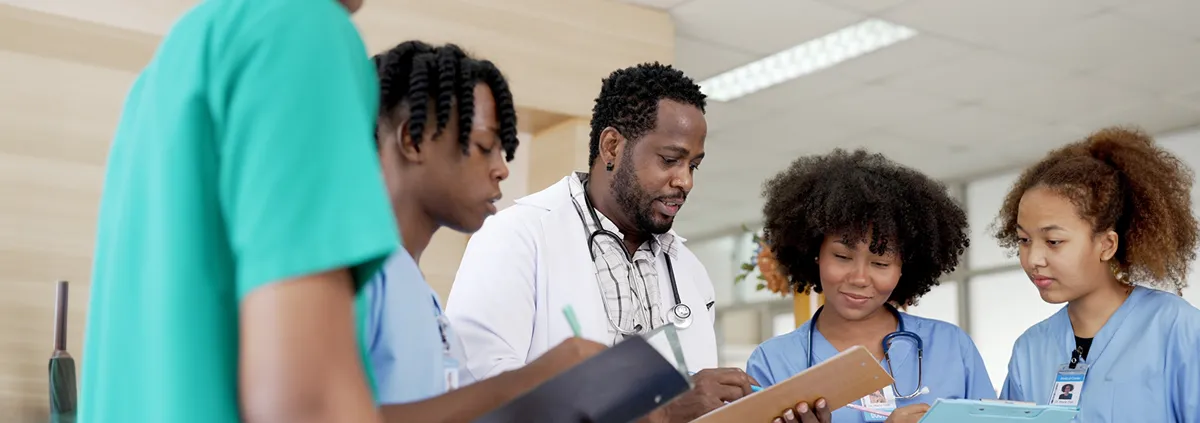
x: 407, y: 336
x: 1142, y: 364
x: 953, y: 367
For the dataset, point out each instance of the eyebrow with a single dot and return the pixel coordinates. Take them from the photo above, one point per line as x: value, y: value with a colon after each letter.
x: 1046, y: 228
x: 681, y: 151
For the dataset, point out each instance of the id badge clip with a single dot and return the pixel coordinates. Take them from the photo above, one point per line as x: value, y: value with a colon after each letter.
x: 1068, y: 383
x: 450, y: 363
x: 883, y: 400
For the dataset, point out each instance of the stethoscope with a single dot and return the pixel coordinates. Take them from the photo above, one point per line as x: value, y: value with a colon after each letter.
x: 887, y: 344
x: 680, y: 314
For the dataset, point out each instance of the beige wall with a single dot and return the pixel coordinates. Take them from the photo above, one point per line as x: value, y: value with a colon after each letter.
x: 68, y: 63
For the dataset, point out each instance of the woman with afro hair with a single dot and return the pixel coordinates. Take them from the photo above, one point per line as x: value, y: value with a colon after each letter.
x: 1095, y: 223
x: 873, y: 236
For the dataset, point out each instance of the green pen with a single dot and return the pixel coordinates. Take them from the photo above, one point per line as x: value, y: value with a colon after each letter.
x: 570, y: 313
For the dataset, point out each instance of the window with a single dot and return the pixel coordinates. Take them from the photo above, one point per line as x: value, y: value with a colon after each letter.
x: 984, y: 198
x: 941, y: 303
x: 1003, y: 305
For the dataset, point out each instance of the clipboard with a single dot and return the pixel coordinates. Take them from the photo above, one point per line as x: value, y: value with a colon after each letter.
x: 845, y: 378
x: 618, y: 385
x: 971, y: 411
x: 665, y: 339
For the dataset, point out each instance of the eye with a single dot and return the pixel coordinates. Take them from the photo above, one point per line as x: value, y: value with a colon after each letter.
x: 694, y: 166
x: 1022, y: 240
x: 1054, y: 242
x: 841, y: 256
x: 881, y: 264
x: 668, y: 160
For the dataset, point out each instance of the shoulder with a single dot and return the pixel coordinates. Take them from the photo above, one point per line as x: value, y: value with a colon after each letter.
x: 1168, y: 306
x: 516, y: 220
x: 794, y: 342
x: 1043, y: 332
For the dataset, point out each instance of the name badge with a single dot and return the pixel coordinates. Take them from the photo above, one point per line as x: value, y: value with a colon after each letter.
x: 882, y: 400
x: 1068, y: 385
x: 450, y: 363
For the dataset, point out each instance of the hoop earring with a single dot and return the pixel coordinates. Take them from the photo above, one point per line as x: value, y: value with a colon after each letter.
x: 608, y: 167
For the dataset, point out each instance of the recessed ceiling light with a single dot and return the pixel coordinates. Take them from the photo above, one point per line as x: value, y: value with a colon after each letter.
x: 809, y: 57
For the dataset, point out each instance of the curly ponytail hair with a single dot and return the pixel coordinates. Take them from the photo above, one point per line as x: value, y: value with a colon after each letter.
x: 1120, y: 180
x: 414, y: 73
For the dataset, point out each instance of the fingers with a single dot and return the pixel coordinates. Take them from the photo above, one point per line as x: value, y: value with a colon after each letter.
x: 805, y: 413
x: 727, y: 376
x: 790, y: 416
x: 824, y: 413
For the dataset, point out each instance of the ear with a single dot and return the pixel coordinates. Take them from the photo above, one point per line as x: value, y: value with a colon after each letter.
x: 612, y: 143
x: 409, y: 150
x: 1109, y: 241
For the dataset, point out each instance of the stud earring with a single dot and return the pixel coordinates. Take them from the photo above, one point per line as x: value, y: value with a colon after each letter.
x: 608, y: 166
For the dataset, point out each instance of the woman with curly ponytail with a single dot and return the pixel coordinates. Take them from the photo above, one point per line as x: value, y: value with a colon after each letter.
x: 1099, y: 224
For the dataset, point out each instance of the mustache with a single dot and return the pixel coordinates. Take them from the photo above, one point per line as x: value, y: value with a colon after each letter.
x: 679, y: 197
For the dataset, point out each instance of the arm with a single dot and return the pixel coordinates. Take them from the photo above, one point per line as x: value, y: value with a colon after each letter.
x: 491, y: 303
x: 758, y: 368
x: 1185, y: 390
x: 305, y: 209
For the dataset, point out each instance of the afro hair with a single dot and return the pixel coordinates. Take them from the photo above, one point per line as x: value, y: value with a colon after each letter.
x: 863, y: 197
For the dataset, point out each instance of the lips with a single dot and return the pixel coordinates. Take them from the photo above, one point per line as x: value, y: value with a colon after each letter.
x: 492, y: 203
x: 855, y: 299
x: 670, y: 206
x: 1042, y: 282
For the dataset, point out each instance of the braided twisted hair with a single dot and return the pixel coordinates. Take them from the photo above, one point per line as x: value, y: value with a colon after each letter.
x: 414, y: 74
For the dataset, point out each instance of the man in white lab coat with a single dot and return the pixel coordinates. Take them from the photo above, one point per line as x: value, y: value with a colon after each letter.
x: 532, y: 259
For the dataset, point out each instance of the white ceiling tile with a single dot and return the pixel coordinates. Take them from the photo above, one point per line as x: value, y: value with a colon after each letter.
x: 1178, y: 16
x: 764, y: 26
x: 866, y: 6
x: 1064, y: 100
x: 807, y: 88
x: 993, y: 23
x: 968, y: 126
x: 1155, y: 116
x: 937, y: 162
x: 701, y: 60
x: 973, y: 76
x: 1099, y: 40
x: 1165, y: 71
x: 875, y: 105
x: 918, y: 52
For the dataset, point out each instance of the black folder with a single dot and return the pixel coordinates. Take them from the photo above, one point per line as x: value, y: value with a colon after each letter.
x: 618, y: 385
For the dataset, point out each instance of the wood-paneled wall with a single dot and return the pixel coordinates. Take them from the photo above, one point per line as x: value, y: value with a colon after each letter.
x: 67, y: 64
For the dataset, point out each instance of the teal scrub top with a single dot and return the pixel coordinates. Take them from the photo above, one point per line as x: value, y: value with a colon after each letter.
x: 244, y: 156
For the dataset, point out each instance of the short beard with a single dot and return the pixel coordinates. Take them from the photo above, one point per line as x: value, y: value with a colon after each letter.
x: 635, y: 202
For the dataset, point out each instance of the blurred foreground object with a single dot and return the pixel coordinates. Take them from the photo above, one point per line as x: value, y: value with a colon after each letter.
x: 62, y: 366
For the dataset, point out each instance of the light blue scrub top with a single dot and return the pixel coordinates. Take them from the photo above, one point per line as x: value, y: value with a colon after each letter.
x: 953, y: 366
x: 1142, y: 363
x: 404, y: 330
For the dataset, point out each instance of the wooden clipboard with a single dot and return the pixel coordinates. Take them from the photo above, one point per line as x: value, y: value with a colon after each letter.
x: 845, y: 378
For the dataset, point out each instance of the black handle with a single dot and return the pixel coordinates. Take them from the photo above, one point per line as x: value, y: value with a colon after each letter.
x: 60, y: 318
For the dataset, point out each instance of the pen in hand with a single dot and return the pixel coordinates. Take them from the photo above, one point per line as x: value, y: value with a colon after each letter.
x: 753, y: 388
x: 571, y: 320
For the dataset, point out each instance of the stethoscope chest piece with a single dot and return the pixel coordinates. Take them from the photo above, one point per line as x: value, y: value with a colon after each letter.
x: 681, y: 316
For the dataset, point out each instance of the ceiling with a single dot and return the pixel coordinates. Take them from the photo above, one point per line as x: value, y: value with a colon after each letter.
x: 986, y: 86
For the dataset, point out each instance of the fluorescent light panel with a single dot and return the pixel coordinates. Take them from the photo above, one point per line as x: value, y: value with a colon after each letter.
x: 809, y: 57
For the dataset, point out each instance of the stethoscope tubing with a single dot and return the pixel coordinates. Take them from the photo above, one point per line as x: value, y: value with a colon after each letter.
x: 887, y: 344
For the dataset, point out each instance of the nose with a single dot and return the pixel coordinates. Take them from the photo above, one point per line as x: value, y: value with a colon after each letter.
x: 500, y: 171
x: 683, y: 180
x: 858, y: 274
x: 1036, y: 255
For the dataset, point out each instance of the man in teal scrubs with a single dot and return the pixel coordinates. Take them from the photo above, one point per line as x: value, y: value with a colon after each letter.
x: 242, y: 211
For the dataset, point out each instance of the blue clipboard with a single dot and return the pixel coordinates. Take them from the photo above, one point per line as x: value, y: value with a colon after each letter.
x: 973, y: 411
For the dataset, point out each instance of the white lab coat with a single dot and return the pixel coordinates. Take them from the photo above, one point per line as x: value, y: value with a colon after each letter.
x: 531, y: 260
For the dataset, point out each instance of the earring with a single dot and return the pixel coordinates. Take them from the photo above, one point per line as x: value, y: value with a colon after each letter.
x: 608, y: 166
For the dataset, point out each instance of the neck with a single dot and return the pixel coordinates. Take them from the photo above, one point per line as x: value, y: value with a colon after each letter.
x: 1090, y: 312
x: 867, y: 332
x: 416, y: 225
x: 605, y: 204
